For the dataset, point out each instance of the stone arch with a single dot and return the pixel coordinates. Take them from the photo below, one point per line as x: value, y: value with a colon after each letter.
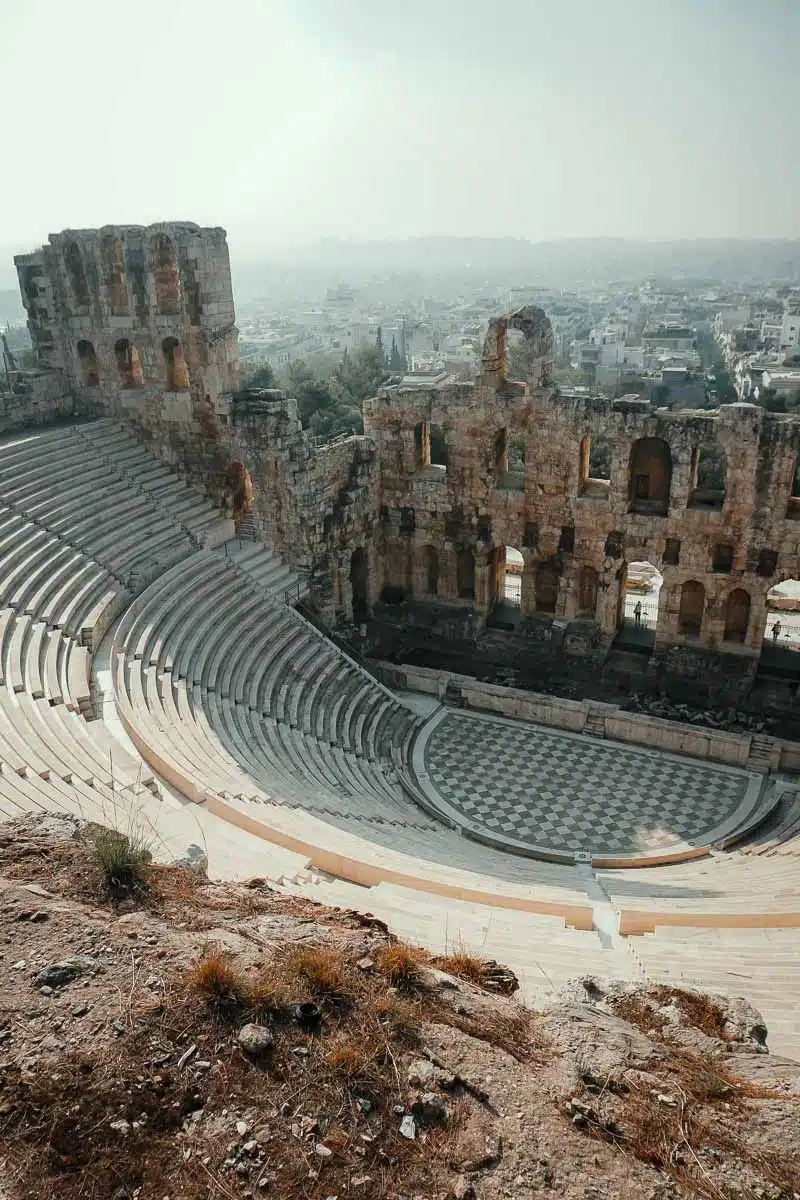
x: 546, y: 580
x: 87, y: 362
x: 165, y: 275
x: 650, y: 478
x: 691, y: 608
x: 708, y: 476
x: 76, y: 274
x: 112, y: 258
x: 129, y: 364
x: 594, y: 466
x: 737, y: 616
x: 465, y: 574
x: 534, y: 325
x: 430, y: 570
x: 359, y: 584
x: 176, y: 368
x: 587, y: 592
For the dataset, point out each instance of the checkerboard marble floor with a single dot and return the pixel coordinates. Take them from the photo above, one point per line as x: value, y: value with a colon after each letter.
x: 575, y: 793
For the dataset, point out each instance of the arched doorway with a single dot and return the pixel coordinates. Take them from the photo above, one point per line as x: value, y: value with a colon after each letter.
x: 87, y: 363
x: 359, y: 584
x: 640, y: 588
x: 430, y: 570
x: 175, y: 366
x: 737, y: 616
x: 691, y: 608
x: 466, y: 575
x: 546, y: 581
x: 782, y: 628
x: 587, y: 593
x: 512, y: 576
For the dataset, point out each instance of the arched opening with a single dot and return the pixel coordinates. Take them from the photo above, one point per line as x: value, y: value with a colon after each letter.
x: 650, y: 477
x: 640, y: 589
x: 466, y: 575
x: 77, y: 276
x: 512, y: 576
x: 438, y: 447
x: 500, y: 452
x: 165, y: 275
x: 176, y: 369
x: 509, y: 461
x: 359, y: 576
x: 112, y: 257
x: 709, y: 475
x: 129, y: 364
x: 782, y: 629
x: 594, y: 468
x: 87, y: 363
x: 546, y: 581
x: 737, y: 615
x: 587, y: 593
x: 430, y: 569
x: 691, y: 608
x: 239, y: 490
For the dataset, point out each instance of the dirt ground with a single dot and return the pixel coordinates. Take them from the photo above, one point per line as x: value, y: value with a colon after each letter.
x: 151, y: 1048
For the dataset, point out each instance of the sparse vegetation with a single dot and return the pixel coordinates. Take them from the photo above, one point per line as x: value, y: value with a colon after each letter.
x: 401, y: 966
x: 215, y: 978
x: 123, y: 860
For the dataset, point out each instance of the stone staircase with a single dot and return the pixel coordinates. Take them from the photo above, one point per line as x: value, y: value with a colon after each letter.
x: 595, y: 723
x: 761, y: 757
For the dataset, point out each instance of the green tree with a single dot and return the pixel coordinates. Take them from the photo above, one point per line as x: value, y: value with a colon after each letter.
x: 397, y: 364
x: 379, y: 344
x: 261, y: 377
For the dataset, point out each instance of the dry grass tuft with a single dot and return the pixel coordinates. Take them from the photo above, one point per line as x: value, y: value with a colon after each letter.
x: 699, y: 1010
x: 356, y: 1059
x: 216, y: 980
x: 463, y: 966
x: 401, y: 966
x: 324, y: 971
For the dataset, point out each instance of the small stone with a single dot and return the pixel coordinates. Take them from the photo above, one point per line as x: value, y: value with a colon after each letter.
x: 255, y: 1040
x: 364, y: 1105
x: 250, y: 1147
x: 80, y: 1010
x: 322, y: 1151
x: 202, y: 1064
x: 366, y: 963
x: 421, y: 1073
x: 408, y: 1127
x: 242, y: 1128
x: 120, y: 1126
x: 430, y: 1109
x: 45, y: 991
x: 361, y: 1180
x: 61, y: 973
x: 20, y: 965
x: 118, y: 1027
x: 663, y: 1099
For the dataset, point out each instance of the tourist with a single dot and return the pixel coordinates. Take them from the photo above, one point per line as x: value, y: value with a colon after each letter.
x: 637, y: 613
x: 776, y: 631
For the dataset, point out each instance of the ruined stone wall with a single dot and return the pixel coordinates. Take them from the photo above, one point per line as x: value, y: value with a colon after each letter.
x: 138, y: 324
x: 577, y: 534
x: 31, y: 398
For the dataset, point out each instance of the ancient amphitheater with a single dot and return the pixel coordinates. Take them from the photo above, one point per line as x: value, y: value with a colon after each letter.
x: 158, y: 528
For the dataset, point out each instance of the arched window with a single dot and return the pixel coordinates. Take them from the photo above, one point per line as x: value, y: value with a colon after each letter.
x: 438, y: 447
x: 692, y: 605
x: 177, y: 372
x: 77, y: 276
x: 128, y: 364
x: 165, y: 275
x: 737, y: 615
x: 587, y: 592
x: 87, y: 362
x: 709, y: 474
x: 430, y: 566
x: 466, y: 574
x: 650, y: 476
x: 113, y: 259
x: 594, y: 467
x: 546, y: 584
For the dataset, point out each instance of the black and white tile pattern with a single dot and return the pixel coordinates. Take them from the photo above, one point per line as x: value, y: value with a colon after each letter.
x: 575, y: 793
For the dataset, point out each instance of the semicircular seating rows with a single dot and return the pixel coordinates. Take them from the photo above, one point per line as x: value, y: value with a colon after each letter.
x: 240, y: 704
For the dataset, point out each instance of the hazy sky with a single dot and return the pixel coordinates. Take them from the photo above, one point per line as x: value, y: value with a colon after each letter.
x: 289, y: 120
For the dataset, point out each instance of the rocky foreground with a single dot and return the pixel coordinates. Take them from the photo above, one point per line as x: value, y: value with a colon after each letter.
x: 162, y: 1036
